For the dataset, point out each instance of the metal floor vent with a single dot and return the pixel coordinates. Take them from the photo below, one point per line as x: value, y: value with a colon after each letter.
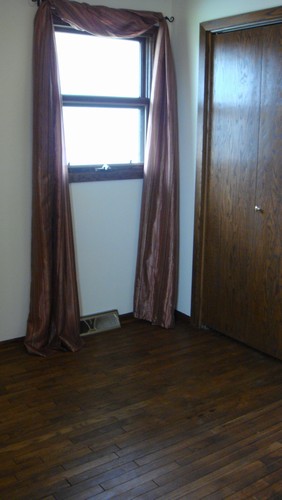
x: 101, y: 322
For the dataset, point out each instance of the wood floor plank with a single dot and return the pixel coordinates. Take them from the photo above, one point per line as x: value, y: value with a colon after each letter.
x: 242, y: 490
x: 141, y: 412
x: 190, y: 478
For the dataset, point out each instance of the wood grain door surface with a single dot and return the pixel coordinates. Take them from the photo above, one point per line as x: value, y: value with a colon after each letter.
x: 242, y: 279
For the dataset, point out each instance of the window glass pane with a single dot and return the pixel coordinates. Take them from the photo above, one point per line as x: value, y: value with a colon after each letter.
x: 102, y: 135
x: 99, y: 66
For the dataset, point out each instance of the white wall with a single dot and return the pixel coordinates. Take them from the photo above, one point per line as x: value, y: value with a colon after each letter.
x: 106, y: 282
x: 106, y: 221
x: 16, y: 18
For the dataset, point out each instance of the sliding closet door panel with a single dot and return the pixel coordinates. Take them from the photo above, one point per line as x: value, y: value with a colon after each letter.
x: 266, y: 318
x: 233, y: 158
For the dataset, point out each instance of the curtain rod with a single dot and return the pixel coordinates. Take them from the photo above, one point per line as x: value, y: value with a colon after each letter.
x: 169, y: 19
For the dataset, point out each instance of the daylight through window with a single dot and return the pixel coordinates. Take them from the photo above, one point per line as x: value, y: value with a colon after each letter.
x: 105, y: 91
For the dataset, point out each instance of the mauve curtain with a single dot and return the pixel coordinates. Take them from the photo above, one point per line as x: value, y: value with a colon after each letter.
x: 156, y: 279
x: 54, y: 309
x: 53, y: 321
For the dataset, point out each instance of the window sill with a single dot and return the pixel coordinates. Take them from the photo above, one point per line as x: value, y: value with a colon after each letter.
x: 115, y: 173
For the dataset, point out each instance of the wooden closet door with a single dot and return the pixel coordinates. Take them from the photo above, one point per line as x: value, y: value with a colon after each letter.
x: 265, y: 321
x: 242, y: 248
x: 233, y: 157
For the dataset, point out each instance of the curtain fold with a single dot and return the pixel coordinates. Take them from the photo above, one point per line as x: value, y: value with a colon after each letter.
x: 157, y: 263
x: 53, y: 320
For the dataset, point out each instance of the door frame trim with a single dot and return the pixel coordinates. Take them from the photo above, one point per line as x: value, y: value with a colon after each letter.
x: 207, y: 29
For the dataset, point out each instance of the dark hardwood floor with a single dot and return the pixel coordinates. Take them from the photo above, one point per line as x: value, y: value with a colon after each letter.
x: 141, y: 412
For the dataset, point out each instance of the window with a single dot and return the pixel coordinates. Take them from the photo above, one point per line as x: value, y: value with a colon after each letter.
x: 105, y: 86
